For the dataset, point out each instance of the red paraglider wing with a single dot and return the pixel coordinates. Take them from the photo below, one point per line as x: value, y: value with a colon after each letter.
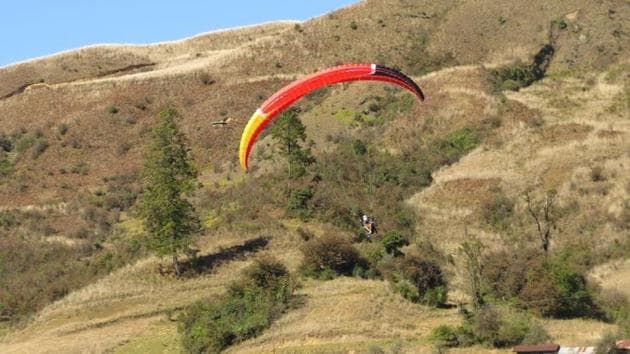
x: 297, y: 89
x: 286, y: 96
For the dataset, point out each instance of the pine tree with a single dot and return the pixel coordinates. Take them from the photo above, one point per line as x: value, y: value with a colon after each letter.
x: 288, y: 131
x: 168, y: 175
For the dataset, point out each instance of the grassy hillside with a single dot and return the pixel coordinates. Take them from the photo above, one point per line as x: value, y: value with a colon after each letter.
x: 74, y: 127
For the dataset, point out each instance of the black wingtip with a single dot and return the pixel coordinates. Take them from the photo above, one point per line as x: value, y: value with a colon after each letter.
x: 385, y: 71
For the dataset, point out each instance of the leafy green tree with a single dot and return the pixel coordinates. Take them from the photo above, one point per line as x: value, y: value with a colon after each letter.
x: 289, y: 131
x: 169, y: 174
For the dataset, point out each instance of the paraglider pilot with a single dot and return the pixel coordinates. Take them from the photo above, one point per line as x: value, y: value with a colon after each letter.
x: 368, y: 225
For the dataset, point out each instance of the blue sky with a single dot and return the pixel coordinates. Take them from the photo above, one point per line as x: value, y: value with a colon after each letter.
x: 32, y: 28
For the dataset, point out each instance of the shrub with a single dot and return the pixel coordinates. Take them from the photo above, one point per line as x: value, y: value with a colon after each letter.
x: 513, y: 330
x: 518, y: 75
x: 511, y: 77
x: 298, y: 202
x: 505, y: 271
x: 6, y: 143
x: 486, y: 323
x: 552, y: 286
x: 269, y: 274
x: 407, y: 290
x: 359, y: 147
x: 427, y: 277
x: 393, y: 241
x: 112, y: 110
x: 505, y: 327
x: 330, y: 254
x: 435, y: 296
x: 249, y: 307
x: 576, y: 298
x: 555, y: 288
x: 561, y: 23
x: 5, y: 166
x: 353, y: 25
x: 540, y: 295
x: 444, y: 335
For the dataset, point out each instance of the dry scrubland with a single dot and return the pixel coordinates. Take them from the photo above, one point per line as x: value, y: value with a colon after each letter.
x: 82, y: 118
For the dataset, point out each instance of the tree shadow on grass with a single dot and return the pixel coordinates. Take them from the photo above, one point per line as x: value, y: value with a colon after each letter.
x: 204, y: 263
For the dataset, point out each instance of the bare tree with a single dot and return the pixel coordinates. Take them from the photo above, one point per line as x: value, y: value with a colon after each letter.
x: 545, y: 216
x: 472, y: 250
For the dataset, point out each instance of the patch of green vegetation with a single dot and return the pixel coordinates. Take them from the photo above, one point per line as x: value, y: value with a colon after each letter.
x: 211, y: 219
x: 249, y: 307
x: 561, y: 23
x: 350, y: 117
x: 6, y: 167
x: 24, y: 143
x: 554, y: 285
x: 393, y: 241
x: 518, y: 75
x: 298, y: 202
x: 132, y: 226
x: 457, y: 144
x: 420, y: 279
x: 499, y: 327
x: 112, y: 110
x: 329, y: 256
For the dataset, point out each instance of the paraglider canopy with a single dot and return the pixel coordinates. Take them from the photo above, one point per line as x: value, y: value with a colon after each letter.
x: 287, y: 95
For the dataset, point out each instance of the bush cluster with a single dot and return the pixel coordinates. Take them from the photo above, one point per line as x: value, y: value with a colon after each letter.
x: 518, y: 75
x: 550, y: 285
x: 330, y: 256
x: 494, y: 326
x: 249, y: 307
x: 426, y: 278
